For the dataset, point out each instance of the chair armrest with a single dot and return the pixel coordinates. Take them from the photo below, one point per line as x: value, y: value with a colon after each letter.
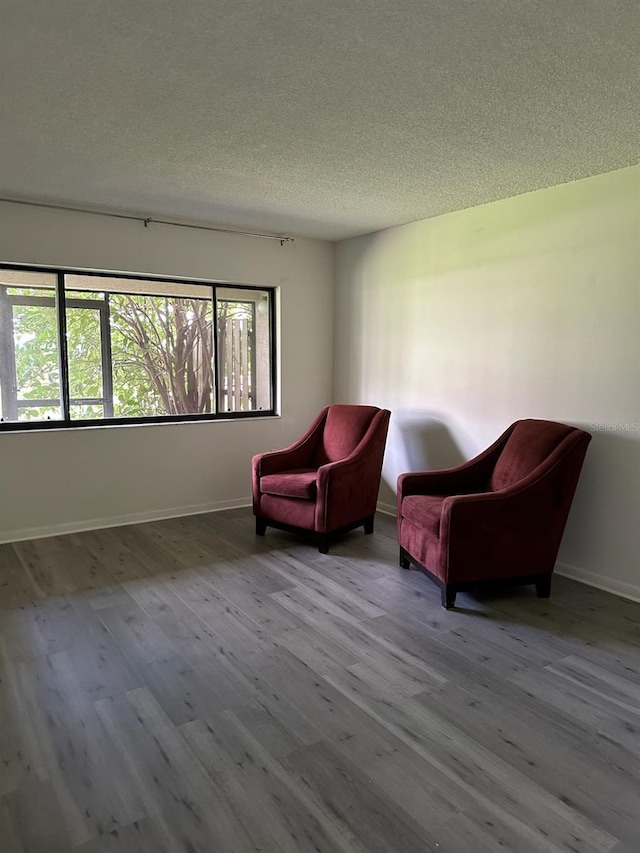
x: 343, y: 468
x: 494, y: 530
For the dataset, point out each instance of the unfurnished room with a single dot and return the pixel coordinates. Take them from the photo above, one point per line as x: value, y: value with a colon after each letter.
x: 319, y: 426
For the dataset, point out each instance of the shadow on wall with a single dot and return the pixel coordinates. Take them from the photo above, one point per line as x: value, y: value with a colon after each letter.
x: 418, y: 441
x: 428, y: 443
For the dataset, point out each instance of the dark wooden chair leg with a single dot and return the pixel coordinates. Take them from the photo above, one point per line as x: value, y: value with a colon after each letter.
x: 368, y: 524
x: 323, y: 543
x: 543, y: 586
x: 448, y: 596
x: 261, y: 526
x: 405, y: 563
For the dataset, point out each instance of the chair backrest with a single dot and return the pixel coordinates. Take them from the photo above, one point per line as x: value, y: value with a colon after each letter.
x: 530, y: 443
x: 344, y: 429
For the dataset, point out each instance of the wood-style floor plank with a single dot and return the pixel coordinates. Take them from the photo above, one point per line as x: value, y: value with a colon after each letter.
x: 347, y: 797
x: 31, y: 820
x: 95, y: 794
x: 184, y: 686
x: 271, y: 807
x: 174, y: 786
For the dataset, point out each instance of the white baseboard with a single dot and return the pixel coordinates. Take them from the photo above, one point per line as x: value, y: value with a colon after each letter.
x: 136, y: 518
x: 387, y: 509
x: 119, y: 520
x: 621, y: 588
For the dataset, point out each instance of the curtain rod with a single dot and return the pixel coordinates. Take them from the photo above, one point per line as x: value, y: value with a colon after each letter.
x: 147, y: 220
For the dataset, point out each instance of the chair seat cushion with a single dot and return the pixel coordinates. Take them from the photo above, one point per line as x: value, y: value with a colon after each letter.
x: 298, y: 483
x: 424, y: 511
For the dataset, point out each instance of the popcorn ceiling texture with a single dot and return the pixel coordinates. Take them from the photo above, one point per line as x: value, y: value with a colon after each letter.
x: 325, y: 119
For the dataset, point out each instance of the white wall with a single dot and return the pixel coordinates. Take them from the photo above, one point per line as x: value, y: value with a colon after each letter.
x: 528, y: 307
x: 59, y: 481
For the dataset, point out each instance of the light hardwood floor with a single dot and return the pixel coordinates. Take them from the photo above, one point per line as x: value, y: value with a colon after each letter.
x: 185, y: 686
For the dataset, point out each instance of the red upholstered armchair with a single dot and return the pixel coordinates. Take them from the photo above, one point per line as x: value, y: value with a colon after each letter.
x: 500, y: 516
x: 327, y: 481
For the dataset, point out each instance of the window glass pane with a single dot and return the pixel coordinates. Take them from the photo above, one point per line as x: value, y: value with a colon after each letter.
x: 86, y: 413
x: 29, y: 348
x: 84, y: 351
x: 44, y: 293
x: 36, y: 345
x: 52, y: 411
x: 159, y: 350
x: 244, y: 349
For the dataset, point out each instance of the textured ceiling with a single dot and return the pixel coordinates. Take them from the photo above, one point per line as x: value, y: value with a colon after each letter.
x: 326, y: 118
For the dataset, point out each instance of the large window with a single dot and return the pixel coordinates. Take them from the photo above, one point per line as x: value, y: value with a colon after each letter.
x: 79, y: 348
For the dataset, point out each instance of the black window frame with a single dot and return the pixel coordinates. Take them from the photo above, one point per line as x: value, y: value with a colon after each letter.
x: 61, y: 299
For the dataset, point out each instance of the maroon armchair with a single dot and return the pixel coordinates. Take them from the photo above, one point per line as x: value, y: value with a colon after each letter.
x: 500, y: 516
x: 327, y: 481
